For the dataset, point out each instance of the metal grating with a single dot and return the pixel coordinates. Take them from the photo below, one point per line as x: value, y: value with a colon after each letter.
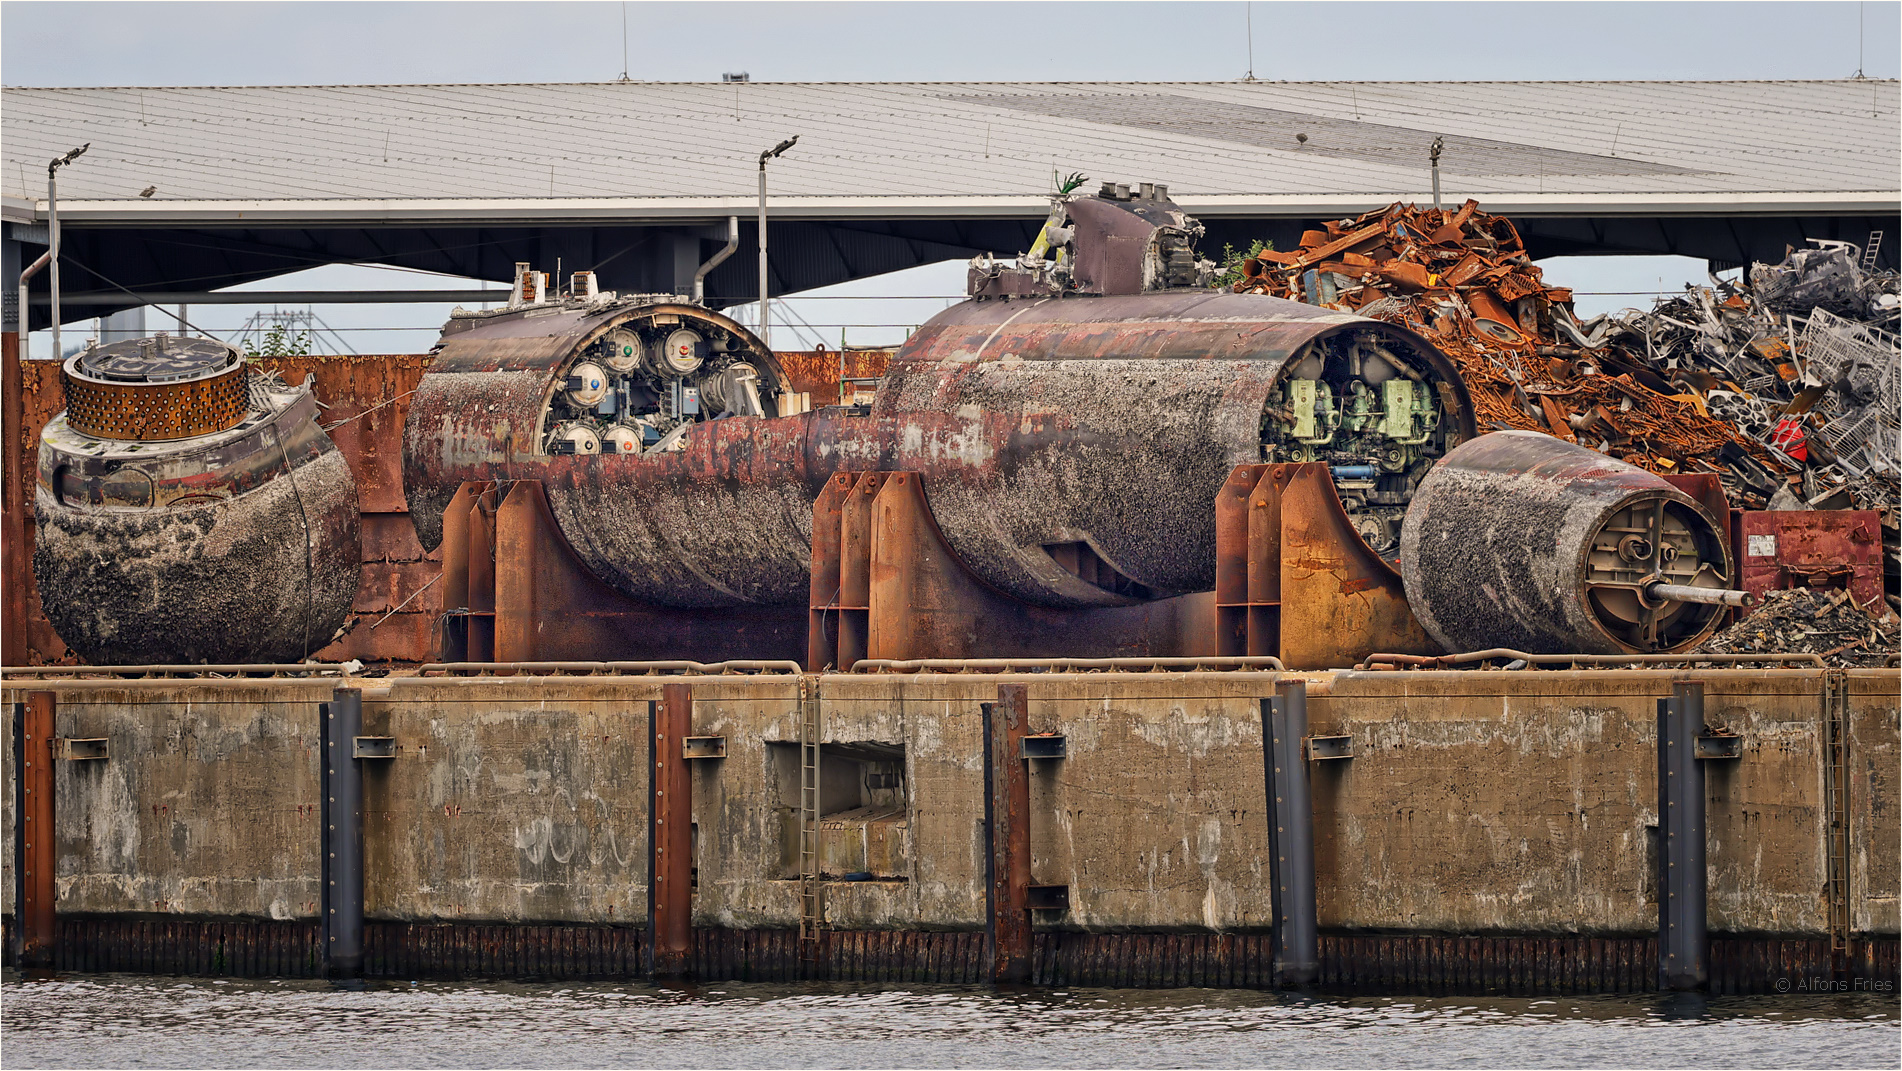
x: 1833, y: 347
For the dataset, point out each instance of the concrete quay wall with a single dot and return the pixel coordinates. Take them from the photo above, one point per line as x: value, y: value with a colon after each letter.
x: 1475, y: 803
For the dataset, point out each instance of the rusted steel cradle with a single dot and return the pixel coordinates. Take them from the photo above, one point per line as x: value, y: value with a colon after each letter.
x: 1053, y: 433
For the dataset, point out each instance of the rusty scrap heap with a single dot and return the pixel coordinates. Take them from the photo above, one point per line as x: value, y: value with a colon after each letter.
x: 1787, y: 387
x: 1463, y: 278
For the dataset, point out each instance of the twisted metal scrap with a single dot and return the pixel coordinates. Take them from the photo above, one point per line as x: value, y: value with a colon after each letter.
x: 1462, y: 278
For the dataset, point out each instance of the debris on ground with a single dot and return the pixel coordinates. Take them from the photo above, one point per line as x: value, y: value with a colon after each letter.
x: 1786, y: 385
x: 1811, y: 621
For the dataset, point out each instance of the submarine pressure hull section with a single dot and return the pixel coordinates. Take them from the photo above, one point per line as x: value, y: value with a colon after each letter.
x: 1071, y: 448
x: 191, y: 509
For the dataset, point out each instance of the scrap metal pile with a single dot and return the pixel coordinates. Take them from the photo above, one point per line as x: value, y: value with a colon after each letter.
x: 1805, y: 621
x: 1787, y: 387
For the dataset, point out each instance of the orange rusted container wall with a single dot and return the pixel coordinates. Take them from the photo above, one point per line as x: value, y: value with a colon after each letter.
x: 365, y: 401
x: 817, y: 372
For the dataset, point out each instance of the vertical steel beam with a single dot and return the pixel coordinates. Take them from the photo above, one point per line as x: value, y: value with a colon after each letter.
x: 1836, y: 812
x: 15, y: 565
x: 1683, y: 942
x: 670, y: 834
x: 342, y: 723
x: 38, y: 928
x: 1291, y: 834
x: 1007, y: 825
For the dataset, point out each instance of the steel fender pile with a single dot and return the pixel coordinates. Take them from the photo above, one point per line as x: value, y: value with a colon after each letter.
x: 1519, y: 540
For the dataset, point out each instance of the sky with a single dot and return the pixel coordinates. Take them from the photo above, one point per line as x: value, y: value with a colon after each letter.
x: 364, y: 42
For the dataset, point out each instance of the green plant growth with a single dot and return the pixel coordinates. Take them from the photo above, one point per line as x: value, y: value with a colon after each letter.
x: 278, y: 342
x: 1231, y: 271
x: 1068, y: 184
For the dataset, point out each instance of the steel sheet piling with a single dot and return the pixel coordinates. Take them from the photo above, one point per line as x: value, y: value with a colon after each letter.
x: 670, y: 835
x: 342, y: 839
x: 1291, y: 828
x: 1683, y: 942
x: 38, y: 924
x: 1007, y: 824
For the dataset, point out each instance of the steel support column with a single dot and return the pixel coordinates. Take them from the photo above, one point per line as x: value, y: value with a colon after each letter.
x: 670, y: 834
x: 38, y: 928
x: 15, y: 562
x: 1291, y: 832
x: 1007, y: 825
x: 1683, y: 943
x: 342, y: 723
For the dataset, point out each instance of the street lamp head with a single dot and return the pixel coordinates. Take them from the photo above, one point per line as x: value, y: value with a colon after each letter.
x: 68, y: 158
x: 777, y: 149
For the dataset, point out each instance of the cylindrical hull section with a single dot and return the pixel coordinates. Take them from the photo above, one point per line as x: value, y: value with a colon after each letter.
x: 232, y: 581
x: 1496, y: 547
x: 1100, y: 427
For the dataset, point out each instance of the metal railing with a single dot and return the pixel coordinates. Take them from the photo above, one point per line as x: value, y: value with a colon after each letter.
x: 1505, y: 654
x: 604, y: 669
x: 998, y: 665
x: 257, y: 670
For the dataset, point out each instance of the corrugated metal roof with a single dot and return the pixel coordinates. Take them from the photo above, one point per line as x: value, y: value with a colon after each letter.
x: 655, y: 149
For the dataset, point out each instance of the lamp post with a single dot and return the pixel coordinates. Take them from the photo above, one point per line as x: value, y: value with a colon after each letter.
x: 52, y: 233
x: 765, y: 329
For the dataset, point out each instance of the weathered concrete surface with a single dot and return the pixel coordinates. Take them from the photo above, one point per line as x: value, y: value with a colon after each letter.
x: 1476, y: 803
x: 510, y: 800
x: 1875, y: 758
x: 208, y: 804
x: 1528, y: 801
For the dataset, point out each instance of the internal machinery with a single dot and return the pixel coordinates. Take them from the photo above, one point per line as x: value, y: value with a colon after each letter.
x: 1371, y: 406
x: 625, y: 407
x: 1524, y: 541
x: 191, y: 509
x: 642, y: 386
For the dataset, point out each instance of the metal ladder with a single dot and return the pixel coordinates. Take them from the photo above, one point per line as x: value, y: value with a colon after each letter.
x: 811, y: 909
x: 1836, y: 811
x: 1869, y: 249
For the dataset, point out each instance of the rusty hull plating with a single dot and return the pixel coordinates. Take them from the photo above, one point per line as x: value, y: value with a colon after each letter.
x: 239, y: 546
x: 1523, y: 541
x: 1048, y: 431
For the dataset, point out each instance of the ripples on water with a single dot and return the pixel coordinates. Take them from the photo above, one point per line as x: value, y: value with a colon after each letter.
x: 140, y: 1021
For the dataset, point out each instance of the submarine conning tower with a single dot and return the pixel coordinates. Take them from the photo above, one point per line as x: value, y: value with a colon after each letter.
x: 191, y: 509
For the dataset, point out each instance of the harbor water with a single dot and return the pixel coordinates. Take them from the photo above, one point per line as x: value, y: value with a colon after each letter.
x: 144, y: 1021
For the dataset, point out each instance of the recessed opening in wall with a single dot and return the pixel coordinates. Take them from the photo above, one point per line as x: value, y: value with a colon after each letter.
x: 863, y: 811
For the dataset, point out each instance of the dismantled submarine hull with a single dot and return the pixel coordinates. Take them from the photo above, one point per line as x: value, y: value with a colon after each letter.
x: 1072, y: 423
x: 1523, y: 541
x: 189, y: 511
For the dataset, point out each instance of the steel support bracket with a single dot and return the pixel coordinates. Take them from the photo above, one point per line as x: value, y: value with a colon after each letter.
x: 703, y: 747
x: 81, y: 750
x: 1321, y: 748
x: 373, y: 747
x: 1043, y: 746
x: 1719, y: 746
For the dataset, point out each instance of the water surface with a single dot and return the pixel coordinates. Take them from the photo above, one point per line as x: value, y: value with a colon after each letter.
x: 143, y: 1021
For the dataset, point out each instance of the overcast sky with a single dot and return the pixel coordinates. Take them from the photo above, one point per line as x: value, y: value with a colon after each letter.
x: 93, y: 44
x: 152, y: 44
